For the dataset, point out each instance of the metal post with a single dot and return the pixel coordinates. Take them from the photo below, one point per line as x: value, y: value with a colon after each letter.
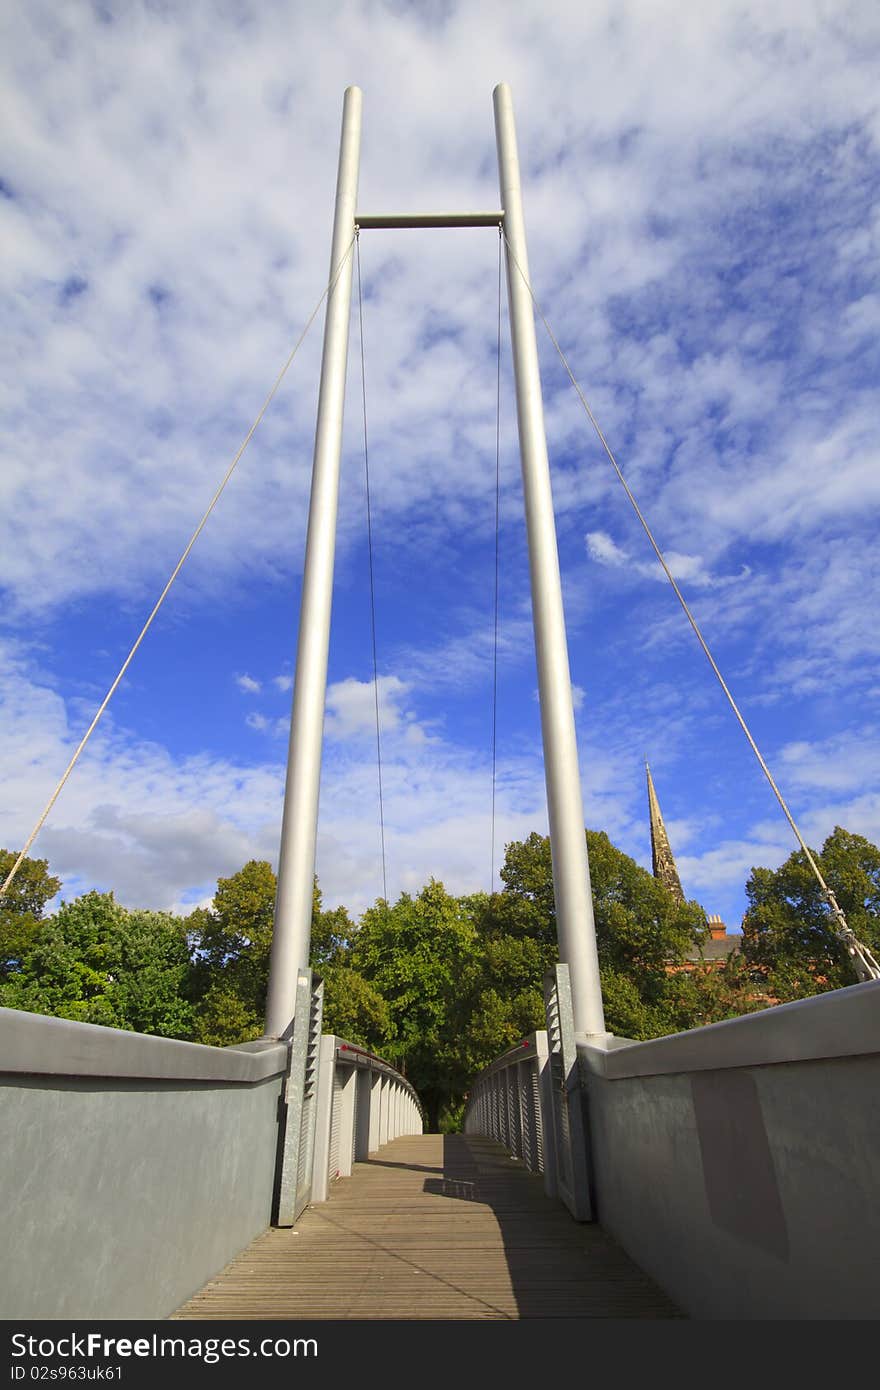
x: 545, y: 1103
x: 363, y: 1116
x: 326, y: 1098
x: 375, y: 1110
x: 296, y: 862
x: 347, y: 1121
x: 571, y: 873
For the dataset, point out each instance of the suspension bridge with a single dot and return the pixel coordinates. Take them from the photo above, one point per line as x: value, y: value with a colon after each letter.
x: 727, y: 1172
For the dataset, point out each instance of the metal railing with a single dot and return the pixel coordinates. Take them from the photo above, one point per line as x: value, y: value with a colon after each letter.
x: 509, y: 1102
x: 363, y: 1103
x: 339, y: 1104
x: 530, y: 1100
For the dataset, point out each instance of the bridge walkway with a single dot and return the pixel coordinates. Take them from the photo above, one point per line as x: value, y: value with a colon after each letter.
x: 433, y: 1226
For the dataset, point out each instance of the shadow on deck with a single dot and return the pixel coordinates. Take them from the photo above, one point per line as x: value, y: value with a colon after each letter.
x: 433, y: 1226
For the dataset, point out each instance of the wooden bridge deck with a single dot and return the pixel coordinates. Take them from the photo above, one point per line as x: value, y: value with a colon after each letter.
x: 433, y: 1226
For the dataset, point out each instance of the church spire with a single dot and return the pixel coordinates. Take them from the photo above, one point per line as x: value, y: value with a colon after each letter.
x: 661, y: 854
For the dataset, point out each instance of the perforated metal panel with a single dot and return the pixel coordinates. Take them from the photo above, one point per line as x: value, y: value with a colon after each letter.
x: 335, y: 1126
x: 299, y: 1109
x: 310, y: 1088
x: 529, y: 1115
x: 571, y: 1155
x: 535, y: 1086
x: 354, y: 1124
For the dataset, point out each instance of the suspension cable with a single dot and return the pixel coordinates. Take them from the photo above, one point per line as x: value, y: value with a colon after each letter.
x: 372, y: 583
x: 177, y: 568
x: 864, y: 963
x: 497, y: 554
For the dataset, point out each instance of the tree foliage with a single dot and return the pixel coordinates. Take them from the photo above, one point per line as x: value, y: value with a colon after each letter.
x: 415, y: 954
x: 99, y: 963
x: 332, y: 933
x: 788, y: 936
x: 641, y: 930
x: 232, y: 941
x: 500, y: 996
x: 438, y: 984
x: 355, y: 1010
x: 21, y: 908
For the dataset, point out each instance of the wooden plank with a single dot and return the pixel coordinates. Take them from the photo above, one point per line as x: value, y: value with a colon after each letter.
x: 433, y: 1226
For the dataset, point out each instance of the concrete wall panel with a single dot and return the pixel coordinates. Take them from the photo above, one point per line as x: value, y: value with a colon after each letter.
x: 122, y: 1196
x: 747, y: 1191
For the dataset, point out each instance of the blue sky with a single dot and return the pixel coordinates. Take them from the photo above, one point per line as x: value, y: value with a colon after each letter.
x: 700, y: 190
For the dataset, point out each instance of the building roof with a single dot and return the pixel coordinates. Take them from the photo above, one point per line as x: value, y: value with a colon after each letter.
x: 718, y: 948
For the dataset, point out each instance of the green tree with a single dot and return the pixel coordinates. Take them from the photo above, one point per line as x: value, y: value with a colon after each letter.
x: 788, y: 937
x: 96, y: 962
x: 707, y: 993
x: 232, y: 941
x: 21, y: 908
x: 416, y: 953
x: 528, y: 901
x: 222, y: 1018
x: 332, y: 933
x: 355, y: 1010
x: 640, y: 930
x: 501, y: 997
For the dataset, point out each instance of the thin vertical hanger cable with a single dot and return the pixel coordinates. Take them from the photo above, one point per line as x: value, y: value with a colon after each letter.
x: 497, y: 564
x: 864, y: 963
x: 370, y: 561
x: 177, y: 568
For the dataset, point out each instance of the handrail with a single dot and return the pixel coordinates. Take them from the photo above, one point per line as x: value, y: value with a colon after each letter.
x: 529, y: 1099
x: 363, y: 1102
x: 508, y: 1102
x: 378, y: 1064
x: 340, y: 1102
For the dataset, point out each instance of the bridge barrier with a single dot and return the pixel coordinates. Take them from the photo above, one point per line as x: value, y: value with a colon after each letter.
x: 510, y: 1102
x: 363, y: 1104
x: 530, y: 1101
x: 738, y: 1164
x: 134, y: 1167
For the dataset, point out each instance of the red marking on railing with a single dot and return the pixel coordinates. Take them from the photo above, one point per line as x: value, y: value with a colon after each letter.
x: 362, y: 1052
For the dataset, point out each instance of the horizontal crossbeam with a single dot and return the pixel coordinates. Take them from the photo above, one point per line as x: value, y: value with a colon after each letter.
x: 429, y: 219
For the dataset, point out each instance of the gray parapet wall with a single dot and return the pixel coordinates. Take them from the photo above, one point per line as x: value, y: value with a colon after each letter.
x: 133, y: 1168
x: 739, y: 1164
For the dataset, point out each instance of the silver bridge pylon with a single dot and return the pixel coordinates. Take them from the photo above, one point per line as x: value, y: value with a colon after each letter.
x: 571, y: 875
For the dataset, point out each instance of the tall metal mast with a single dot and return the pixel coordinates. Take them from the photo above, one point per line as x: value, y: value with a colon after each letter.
x: 299, y: 826
x: 571, y: 875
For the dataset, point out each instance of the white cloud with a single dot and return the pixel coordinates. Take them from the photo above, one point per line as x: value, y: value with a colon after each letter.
x: 351, y: 708
x: 847, y: 763
x: 205, y: 816
x: 248, y: 684
x: 131, y: 817
x: 686, y: 569
x: 701, y: 240
x: 218, y: 236
x: 604, y: 550
x: 160, y: 830
x: 724, y: 868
